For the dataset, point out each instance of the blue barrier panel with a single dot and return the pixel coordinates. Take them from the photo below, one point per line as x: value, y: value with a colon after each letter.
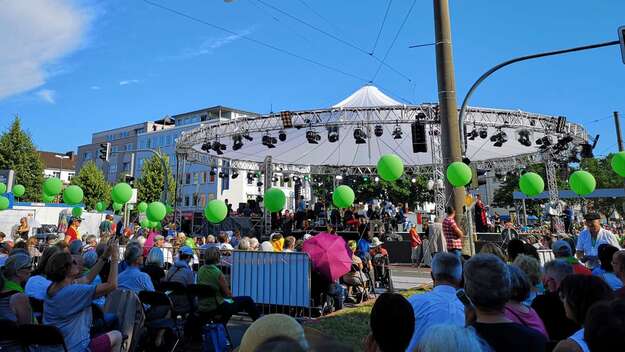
x: 272, y: 278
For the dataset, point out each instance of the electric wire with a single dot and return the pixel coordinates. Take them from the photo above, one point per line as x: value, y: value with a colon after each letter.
x: 377, y: 39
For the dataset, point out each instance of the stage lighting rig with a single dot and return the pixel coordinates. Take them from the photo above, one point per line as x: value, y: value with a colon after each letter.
x: 524, y: 138
x: 397, y: 132
x: 218, y: 147
x: 378, y: 131
x: 237, y: 142
x: 313, y: 137
x: 333, y: 134
x: 499, y: 138
x: 269, y: 141
x: 282, y: 135
x: 235, y: 174
x: 360, y: 135
x: 483, y: 132
x: 472, y: 135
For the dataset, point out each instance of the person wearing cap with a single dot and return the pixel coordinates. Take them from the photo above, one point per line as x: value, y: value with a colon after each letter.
x: 376, y: 248
x: 562, y: 250
x: 132, y: 278
x: 72, y: 233
x: 181, y: 273
x: 591, y: 238
x: 14, y: 304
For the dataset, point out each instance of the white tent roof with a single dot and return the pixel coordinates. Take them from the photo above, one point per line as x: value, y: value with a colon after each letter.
x: 365, y: 97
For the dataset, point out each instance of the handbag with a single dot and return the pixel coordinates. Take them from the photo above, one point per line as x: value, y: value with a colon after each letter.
x: 214, y: 338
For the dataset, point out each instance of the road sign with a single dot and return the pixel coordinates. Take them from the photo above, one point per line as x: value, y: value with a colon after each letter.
x: 621, y: 37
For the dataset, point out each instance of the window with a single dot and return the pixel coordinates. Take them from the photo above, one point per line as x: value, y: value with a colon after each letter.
x: 168, y: 140
x: 70, y: 176
x: 186, y: 201
x: 126, y: 166
x: 196, y: 178
x: 161, y: 141
x: 115, y: 148
x: 57, y: 174
x: 204, y: 177
x: 112, y: 169
x: 187, y: 179
x: 129, y: 146
x: 203, y: 117
x: 86, y: 155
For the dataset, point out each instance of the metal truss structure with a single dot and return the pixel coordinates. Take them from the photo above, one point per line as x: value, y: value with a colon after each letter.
x: 438, y: 174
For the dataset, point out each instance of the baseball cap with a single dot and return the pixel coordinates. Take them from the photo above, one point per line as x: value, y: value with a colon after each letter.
x: 186, y: 250
x: 561, y: 248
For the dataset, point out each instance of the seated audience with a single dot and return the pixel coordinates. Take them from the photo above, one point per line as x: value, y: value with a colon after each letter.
x: 439, y: 306
x: 515, y: 309
x: 182, y: 273
x: 578, y: 294
x: 75, y: 247
x: 549, y: 306
x: 562, y: 250
x: 133, y: 278
x: 488, y: 287
x: 289, y: 244
x: 224, y: 303
x: 244, y: 244
x: 68, y: 306
x: 154, y: 264
x: 491, y: 248
x: 266, y: 246
x: 377, y: 249
x: 606, y: 270
x: 14, y: 304
x: 223, y: 240
x: 32, y: 247
x: 531, y: 267
x: 392, y: 324
x: 37, y: 284
x: 449, y: 338
x: 254, y: 244
x: 355, y: 277
x: 277, y: 242
x: 272, y: 326
x: 618, y: 263
x: 604, y: 328
x: 515, y: 247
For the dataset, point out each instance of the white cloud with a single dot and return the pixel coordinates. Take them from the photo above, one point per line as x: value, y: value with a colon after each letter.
x: 95, y: 88
x: 209, y: 46
x: 35, y: 35
x: 47, y: 95
x: 128, y: 81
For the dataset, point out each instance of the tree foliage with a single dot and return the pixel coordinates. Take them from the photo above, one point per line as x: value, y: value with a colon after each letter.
x: 367, y: 189
x: 150, y: 184
x: 18, y: 153
x: 94, y: 185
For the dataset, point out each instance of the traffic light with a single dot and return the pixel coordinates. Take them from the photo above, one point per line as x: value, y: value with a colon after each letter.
x: 105, y: 151
x: 621, y: 37
x: 129, y: 180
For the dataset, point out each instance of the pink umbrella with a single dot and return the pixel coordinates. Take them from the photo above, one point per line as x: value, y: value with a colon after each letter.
x: 328, y: 255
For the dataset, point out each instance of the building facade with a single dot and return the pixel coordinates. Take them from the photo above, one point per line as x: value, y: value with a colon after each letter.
x: 59, y: 165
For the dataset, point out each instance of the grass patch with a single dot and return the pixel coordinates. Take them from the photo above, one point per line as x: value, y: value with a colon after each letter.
x: 350, y: 326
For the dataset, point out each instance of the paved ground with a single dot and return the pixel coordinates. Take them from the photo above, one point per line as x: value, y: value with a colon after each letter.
x: 404, y: 277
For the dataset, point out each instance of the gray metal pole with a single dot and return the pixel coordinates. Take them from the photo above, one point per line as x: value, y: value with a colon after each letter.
x: 619, y: 138
x: 448, y: 108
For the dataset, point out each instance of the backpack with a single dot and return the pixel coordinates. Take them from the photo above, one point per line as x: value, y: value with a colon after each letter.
x: 215, y: 338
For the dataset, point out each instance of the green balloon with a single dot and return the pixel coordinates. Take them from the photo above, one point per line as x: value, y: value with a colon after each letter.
x: 531, y: 184
x: 99, y: 206
x: 156, y: 211
x: 274, y: 200
x: 52, y: 186
x: 121, y: 193
x: 343, y: 196
x: 582, y: 182
x: 77, y: 211
x: 117, y: 206
x: 4, y: 203
x: 72, y: 195
x: 155, y: 225
x: 459, y: 174
x: 46, y: 198
x: 617, y: 163
x: 3, y: 188
x: 19, y: 190
x: 145, y: 223
x: 390, y: 167
x: 142, y: 207
x: 216, y: 211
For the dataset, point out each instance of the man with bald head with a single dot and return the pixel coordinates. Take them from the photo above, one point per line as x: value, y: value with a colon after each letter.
x: 618, y: 263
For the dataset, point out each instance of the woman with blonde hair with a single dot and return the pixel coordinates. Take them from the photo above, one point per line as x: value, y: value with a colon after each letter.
x: 491, y: 248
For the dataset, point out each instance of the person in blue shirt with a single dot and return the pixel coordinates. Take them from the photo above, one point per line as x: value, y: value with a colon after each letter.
x: 439, y: 306
x: 68, y: 305
x: 133, y: 278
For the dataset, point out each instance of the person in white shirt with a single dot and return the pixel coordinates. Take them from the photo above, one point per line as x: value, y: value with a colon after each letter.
x: 439, y: 306
x: 591, y: 238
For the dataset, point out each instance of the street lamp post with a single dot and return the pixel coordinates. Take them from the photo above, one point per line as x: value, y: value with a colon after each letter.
x: 61, y: 165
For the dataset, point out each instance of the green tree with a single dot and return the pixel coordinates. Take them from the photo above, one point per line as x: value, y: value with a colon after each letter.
x: 150, y: 184
x: 18, y: 153
x: 94, y: 185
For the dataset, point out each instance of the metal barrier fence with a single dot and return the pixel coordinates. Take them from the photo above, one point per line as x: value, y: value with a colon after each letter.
x: 545, y: 255
x: 282, y: 279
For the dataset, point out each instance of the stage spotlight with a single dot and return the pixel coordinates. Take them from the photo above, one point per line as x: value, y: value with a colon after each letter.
x: 544, y: 142
x: 313, y: 137
x: 218, y: 147
x: 360, y: 136
x: 206, y: 147
x: 339, y: 177
x: 378, y: 130
x: 235, y: 174
x: 524, y: 138
x: 421, y: 115
x: 430, y: 185
x: 376, y: 179
x: 275, y: 179
x: 499, y: 138
x: 472, y: 135
x: 413, y: 180
x: 409, y: 171
x: 333, y: 134
x: 237, y: 142
x: 221, y: 174
x: 282, y: 135
x: 483, y: 132
x: 259, y: 184
x: 586, y: 151
x: 248, y: 137
x: 269, y: 141
x: 295, y: 178
x: 286, y: 178
x: 397, y: 132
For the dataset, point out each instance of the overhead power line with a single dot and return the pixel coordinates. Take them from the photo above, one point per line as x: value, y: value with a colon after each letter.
x: 394, y: 40
x: 343, y: 41
x: 375, y: 45
x: 256, y: 41
x: 318, y: 14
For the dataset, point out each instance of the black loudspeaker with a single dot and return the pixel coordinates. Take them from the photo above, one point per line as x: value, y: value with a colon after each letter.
x: 419, y: 140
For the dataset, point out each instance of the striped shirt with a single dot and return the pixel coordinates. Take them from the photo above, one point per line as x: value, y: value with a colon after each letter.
x: 453, y: 240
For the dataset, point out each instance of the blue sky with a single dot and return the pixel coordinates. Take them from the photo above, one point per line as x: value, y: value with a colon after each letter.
x: 76, y: 67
